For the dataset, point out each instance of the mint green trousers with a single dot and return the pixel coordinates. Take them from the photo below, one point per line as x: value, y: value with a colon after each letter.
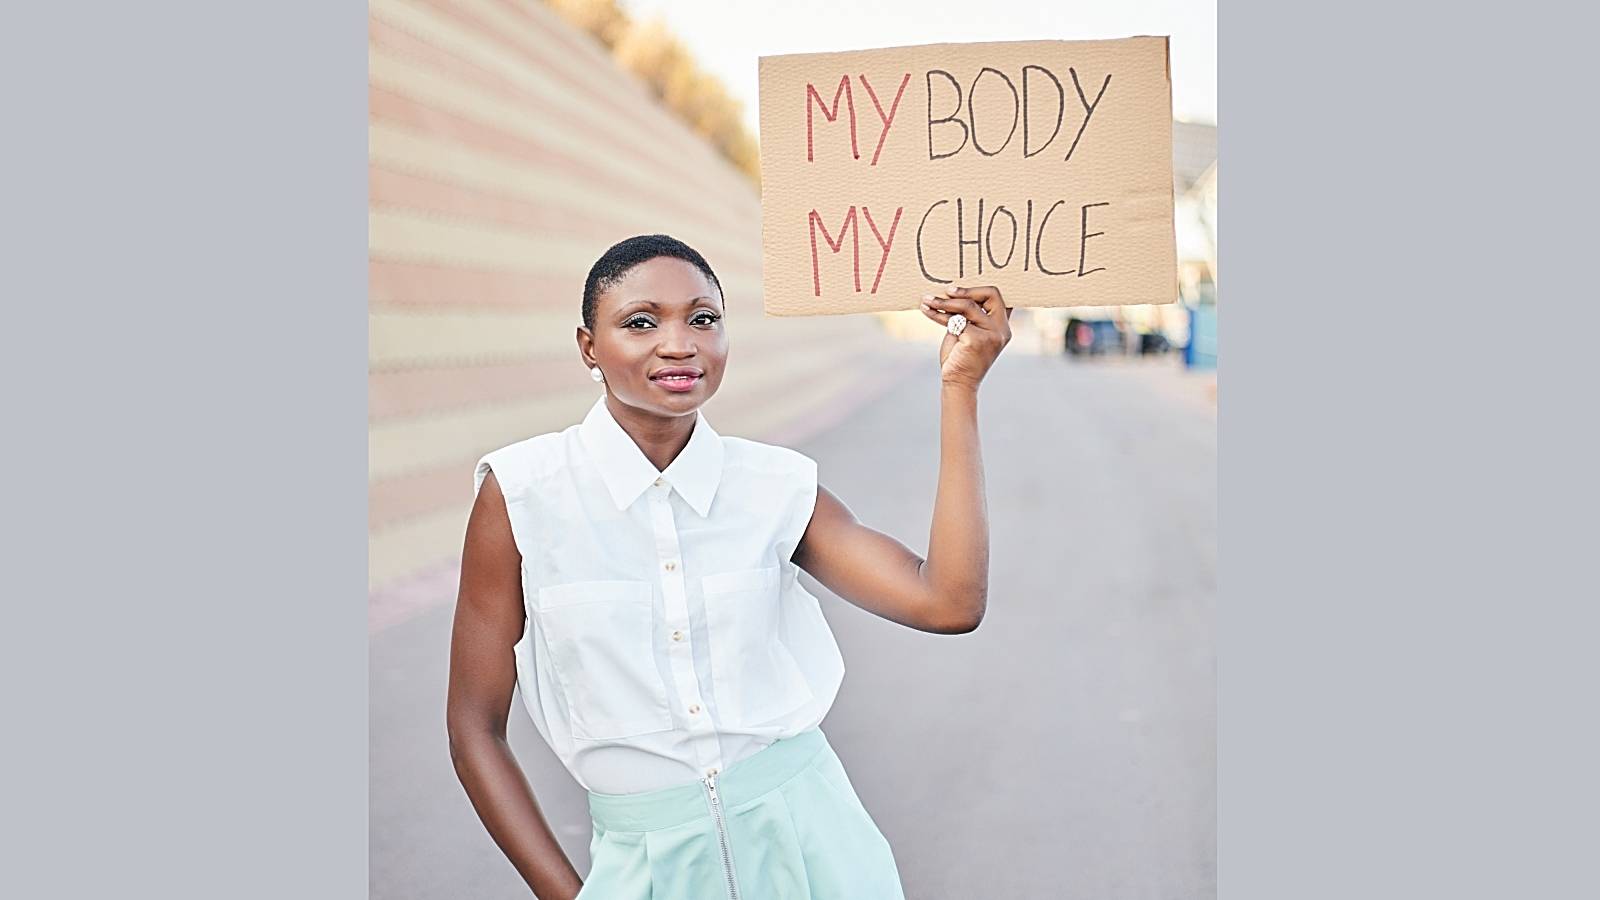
x: 783, y: 824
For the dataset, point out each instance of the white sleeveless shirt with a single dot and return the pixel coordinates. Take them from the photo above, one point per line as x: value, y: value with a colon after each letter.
x: 667, y: 634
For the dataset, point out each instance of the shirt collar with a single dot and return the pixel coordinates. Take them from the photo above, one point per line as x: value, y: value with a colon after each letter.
x: 627, y: 473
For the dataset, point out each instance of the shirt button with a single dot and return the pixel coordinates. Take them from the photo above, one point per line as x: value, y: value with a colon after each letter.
x: 659, y: 482
x: 677, y: 635
x: 694, y: 709
x: 712, y: 771
x: 669, y: 565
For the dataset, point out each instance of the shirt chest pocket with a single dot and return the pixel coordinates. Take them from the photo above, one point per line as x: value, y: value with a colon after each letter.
x: 755, y: 677
x: 600, y: 635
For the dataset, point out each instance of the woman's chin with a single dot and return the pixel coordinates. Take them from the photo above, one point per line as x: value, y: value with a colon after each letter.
x: 663, y: 401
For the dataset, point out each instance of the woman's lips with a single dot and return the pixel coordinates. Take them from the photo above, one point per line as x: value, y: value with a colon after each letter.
x: 677, y: 383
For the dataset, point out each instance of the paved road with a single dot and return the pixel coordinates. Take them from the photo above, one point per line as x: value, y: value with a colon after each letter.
x: 1066, y: 749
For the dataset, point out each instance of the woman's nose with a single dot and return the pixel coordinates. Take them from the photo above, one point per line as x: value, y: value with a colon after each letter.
x: 676, y: 343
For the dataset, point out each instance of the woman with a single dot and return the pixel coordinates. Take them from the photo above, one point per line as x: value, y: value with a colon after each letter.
x: 636, y: 573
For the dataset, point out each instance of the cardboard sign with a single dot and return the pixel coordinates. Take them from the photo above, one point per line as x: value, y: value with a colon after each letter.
x: 1042, y: 167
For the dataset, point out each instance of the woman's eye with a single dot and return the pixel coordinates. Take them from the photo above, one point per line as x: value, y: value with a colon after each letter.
x: 639, y: 323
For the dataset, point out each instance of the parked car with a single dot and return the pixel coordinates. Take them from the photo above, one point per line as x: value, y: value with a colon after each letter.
x: 1093, y: 337
x: 1152, y: 343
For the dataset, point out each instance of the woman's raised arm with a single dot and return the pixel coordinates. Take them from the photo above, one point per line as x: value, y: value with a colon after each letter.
x: 948, y: 592
x: 489, y: 621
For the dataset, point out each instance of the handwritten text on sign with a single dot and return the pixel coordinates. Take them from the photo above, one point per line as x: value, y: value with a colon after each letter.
x: 1043, y: 167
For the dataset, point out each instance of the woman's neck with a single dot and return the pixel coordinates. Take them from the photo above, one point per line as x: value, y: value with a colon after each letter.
x: 660, y: 438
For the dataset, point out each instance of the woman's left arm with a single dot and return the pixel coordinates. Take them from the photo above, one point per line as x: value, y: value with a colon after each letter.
x: 946, y: 593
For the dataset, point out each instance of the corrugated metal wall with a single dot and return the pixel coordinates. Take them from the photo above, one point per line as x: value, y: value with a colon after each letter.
x: 507, y: 152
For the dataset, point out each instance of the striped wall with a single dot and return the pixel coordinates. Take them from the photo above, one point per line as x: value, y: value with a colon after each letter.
x: 507, y: 152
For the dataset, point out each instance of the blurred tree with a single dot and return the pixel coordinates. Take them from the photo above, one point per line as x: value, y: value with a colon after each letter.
x: 651, y: 52
x: 601, y: 18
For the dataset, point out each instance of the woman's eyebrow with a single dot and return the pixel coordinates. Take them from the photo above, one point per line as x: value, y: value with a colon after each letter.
x: 636, y: 304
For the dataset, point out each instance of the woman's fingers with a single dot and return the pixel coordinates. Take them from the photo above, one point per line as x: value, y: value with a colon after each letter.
x: 966, y: 307
x: 940, y: 309
x: 987, y: 296
x: 977, y: 316
x: 959, y: 294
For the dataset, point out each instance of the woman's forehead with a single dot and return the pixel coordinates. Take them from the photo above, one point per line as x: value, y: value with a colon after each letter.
x: 661, y: 282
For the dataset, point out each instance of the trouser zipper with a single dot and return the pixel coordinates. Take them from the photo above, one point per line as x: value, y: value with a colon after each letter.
x: 722, y: 835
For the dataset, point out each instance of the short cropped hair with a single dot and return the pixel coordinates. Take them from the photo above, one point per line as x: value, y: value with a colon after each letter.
x: 623, y: 256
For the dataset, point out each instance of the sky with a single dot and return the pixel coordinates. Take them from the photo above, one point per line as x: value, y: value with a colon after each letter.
x: 727, y: 36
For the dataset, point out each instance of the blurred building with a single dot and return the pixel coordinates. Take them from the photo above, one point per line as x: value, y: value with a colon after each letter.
x: 507, y: 151
x: 1196, y: 218
x: 1194, y: 185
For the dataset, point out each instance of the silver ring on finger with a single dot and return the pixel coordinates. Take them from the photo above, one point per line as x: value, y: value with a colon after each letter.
x: 958, y: 323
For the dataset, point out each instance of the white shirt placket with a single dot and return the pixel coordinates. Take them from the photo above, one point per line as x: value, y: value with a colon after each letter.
x: 680, y: 644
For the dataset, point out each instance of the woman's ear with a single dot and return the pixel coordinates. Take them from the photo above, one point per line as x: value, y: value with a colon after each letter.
x: 586, y: 346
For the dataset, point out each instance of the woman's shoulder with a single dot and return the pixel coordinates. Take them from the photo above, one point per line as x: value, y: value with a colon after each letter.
x: 527, y: 458
x: 745, y: 453
x: 548, y: 446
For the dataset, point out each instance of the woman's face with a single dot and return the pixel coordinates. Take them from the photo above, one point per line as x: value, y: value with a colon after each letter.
x: 658, y: 337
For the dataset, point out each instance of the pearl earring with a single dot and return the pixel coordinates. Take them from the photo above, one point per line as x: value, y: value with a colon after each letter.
x: 595, y: 374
